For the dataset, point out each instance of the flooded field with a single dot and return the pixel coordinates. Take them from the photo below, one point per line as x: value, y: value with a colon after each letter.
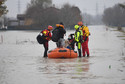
x: 22, y: 62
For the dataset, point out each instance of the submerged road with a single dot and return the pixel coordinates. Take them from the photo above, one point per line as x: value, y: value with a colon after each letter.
x: 22, y: 62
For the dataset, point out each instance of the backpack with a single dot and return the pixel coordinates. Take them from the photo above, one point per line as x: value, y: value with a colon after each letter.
x: 40, y: 39
x: 55, y: 35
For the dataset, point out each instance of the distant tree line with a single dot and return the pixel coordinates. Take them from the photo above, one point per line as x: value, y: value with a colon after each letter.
x: 3, y: 9
x: 114, y: 16
x: 43, y: 14
x: 92, y: 20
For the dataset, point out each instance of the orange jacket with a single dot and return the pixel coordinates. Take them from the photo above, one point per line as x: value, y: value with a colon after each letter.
x: 85, y: 31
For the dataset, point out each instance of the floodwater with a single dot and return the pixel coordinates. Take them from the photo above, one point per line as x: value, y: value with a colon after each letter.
x: 22, y: 62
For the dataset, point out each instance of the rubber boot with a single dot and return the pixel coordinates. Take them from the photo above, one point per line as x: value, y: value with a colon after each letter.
x: 45, y: 52
x: 79, y: 50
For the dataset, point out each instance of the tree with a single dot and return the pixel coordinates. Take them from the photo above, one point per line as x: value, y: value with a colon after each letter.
x: 44, y: 15
x: 107, y: 17
x: 88, y: 19
x: 50, y: 16
x: 114, y: 16
x: 122, y: 5
x: 35, y: 10
x: 2, y: 8
x: 70, y: 15
x: 40, y: 3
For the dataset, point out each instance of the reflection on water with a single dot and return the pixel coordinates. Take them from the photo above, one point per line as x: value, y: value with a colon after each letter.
x: 72, y: 68
x: 83, y: 65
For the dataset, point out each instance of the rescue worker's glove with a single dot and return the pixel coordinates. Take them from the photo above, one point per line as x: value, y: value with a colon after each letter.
x: 83, y: 41
x: 86, y: 38
x: 89, y: 34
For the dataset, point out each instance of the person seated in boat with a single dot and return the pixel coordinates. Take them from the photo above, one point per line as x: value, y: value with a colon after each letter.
x: 47, y: 38
x: 70, y: 42
x: 58, y: 35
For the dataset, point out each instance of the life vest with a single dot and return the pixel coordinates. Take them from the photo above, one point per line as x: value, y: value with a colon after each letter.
x: 85, y: 31
x: 46, y: 34
x: 78, y: 36
x: 43, y: 36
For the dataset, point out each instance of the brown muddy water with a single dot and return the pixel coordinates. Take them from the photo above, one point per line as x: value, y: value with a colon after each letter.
x: 22, y: 62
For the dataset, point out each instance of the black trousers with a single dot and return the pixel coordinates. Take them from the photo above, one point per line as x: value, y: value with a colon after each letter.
x: 46, y: 48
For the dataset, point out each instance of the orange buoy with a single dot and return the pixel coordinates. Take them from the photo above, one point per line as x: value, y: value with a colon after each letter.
x: 62, y: 53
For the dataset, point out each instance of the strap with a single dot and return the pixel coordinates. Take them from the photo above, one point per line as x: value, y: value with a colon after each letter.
x: 48, y: 34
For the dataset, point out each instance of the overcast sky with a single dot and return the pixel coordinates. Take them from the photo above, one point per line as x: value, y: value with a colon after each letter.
x: 88, y: 6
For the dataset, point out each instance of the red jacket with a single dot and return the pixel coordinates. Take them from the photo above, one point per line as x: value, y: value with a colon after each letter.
x: 47, y: 34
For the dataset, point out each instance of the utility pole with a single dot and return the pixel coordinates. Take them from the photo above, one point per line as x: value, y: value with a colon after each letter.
x: 96, y: 9
x: 122, y: 5
x: 19, y: 11
x: 18, y: 6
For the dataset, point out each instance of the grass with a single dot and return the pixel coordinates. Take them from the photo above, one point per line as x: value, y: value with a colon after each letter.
x: 120, y: 36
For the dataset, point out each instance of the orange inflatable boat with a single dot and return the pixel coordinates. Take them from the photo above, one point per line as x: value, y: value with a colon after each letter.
x: 62, y: 53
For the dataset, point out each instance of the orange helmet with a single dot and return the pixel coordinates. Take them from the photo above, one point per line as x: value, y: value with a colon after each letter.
x: 80, y: 23
x: 50, y: 27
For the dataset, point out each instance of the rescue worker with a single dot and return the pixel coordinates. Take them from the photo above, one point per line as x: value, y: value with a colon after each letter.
x: 78, y: 38
x: 62, y: 31
x: 86, y: 33
x: 47, y: 35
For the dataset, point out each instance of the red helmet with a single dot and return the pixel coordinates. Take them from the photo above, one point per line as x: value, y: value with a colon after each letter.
x: 80, y: 23
x: 50, y: 27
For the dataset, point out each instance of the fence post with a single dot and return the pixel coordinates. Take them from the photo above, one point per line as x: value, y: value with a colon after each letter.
x: 1, y: 39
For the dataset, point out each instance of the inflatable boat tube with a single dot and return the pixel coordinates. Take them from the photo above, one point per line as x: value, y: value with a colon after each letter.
x: 62, y: 53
